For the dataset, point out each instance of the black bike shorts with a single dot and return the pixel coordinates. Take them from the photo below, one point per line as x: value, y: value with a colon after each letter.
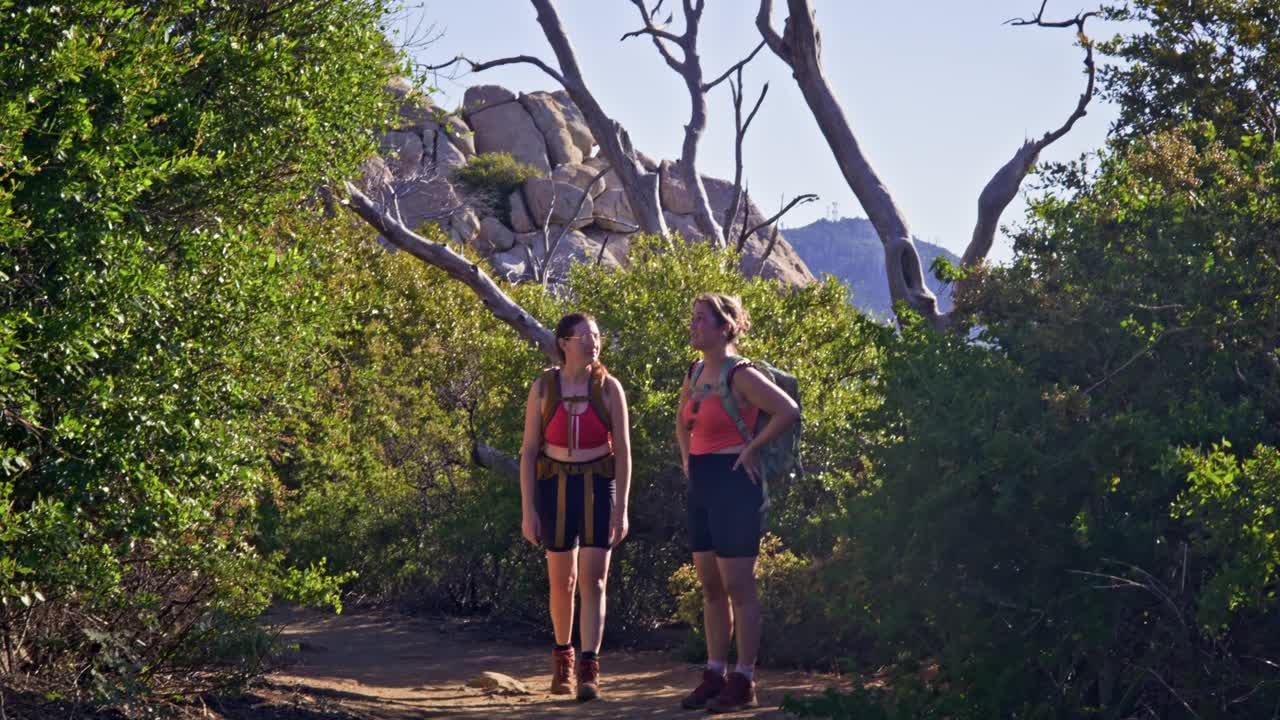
x: 575, y: 502
x: 726, y: 509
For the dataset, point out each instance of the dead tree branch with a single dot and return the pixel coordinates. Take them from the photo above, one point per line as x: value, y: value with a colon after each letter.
x: 773, y: 240
x: 457, y: 267
x: 640, y: 185
x: 659, y: 35
x: 1003, y: 187
x: 800, y: 48
x: 735, y: 68
x: 494, y: 459
x: 740, y: 133
x: 514, y: 60
x: 798, y: 200
x: 689, y: 67
x: 564, y: 229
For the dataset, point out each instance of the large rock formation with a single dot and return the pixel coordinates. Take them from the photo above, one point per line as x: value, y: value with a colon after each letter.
x: 547, y: 131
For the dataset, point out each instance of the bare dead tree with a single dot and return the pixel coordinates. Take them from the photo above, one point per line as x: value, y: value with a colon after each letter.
x: 799, y: 46
x: 1003, y: 187
x: 786, y: 208
x: 639, y: 184
x: 773, y: 240
x: 457, y: 267
x: 542, y: 267
x: 689, y: 67
x: 740, y: 132
x: 494, y: 459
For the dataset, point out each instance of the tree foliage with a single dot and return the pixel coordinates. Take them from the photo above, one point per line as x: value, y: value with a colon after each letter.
x: 1214, y: 61
x: 1057, y: 519
x: 159, y: 314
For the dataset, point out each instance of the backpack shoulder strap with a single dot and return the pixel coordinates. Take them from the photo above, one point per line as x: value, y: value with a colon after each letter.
x: 730, y: 404
x: 550, y: 388
x: 695, y: 371
x: 595, y: 395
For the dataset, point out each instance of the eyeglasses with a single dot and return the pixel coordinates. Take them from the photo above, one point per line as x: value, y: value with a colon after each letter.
x: 593, y: 336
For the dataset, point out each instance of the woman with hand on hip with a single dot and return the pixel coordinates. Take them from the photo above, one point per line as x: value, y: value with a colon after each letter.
x: 575, y: 477
x: 727, y: 499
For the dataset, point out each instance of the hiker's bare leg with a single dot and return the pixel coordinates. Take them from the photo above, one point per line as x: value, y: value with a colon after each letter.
x: 593, y: 572
x: 738, y: 577
x: 562, y: 570
x: 717, y: 613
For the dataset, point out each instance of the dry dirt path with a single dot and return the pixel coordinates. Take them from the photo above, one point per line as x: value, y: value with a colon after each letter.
x: 379, y: 665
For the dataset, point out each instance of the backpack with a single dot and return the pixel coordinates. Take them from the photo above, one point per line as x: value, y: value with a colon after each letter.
x: 779, y: 459
x: 551, y: 395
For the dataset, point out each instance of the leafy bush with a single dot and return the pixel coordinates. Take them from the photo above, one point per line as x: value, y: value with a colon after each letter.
x: 799, y: 625
x: 1229, y: 510
x: 157, y: 312
x: 1048, y: 520
x: 381, y: 478
x: 490, y: 178
x: 379, y: 475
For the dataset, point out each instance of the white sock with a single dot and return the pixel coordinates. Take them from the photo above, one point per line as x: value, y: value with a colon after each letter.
x: 717, y: 666
x: 747, y: 671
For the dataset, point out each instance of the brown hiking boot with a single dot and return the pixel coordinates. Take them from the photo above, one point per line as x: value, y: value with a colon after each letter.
x: 561, y: 671
x: 738, y: 693
x: 712, y: 684
x: 589, y: 678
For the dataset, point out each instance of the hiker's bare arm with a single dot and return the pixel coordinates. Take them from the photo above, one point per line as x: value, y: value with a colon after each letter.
x: 620, y: 421
x: 753, y: 387
x: 529, y: 450
x: 682, y: 431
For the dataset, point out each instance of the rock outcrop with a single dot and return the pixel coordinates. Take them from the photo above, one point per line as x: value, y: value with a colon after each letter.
x: 547, y: 131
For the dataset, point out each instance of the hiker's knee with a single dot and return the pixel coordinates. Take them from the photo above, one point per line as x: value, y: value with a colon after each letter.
x: 741, y: 589
x: 592, y: 587
x: 714, y: 592
x: 565, y: 584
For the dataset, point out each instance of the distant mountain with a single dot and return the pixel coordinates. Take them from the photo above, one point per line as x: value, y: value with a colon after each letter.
x: 850, y: 250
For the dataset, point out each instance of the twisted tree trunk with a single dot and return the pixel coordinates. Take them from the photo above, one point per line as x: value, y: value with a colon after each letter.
x: 799, y: 46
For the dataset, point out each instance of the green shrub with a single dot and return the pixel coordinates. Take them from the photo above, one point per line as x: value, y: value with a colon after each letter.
x: 1229, y: 508
x: 794, y: 599
x: 488, y: 179
x: 381, y: 479
x: 379, y: 474
x: 1045, y: 521
x: 157, y: 313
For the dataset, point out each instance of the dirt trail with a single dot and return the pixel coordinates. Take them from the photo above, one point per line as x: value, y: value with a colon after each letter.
x: 378, y: 665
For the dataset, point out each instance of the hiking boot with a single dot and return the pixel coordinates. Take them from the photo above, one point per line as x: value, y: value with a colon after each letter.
x: 561, y: 671
x: 738, y: 693
x: 712, y: 684
x: 589, y: 678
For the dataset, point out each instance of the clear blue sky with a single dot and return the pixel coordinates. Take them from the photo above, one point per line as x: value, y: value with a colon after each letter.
x: 940, y: 93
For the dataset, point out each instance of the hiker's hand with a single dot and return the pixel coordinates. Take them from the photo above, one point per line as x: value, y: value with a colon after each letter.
x: 619, y: 526
x: 685, y: 461
x: 747, y: 460
x: 531, y: 528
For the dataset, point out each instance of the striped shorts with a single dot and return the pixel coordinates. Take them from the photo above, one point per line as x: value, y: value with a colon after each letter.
x: 575, y: 502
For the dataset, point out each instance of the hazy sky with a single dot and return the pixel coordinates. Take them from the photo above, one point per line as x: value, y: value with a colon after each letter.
x: 940, y: 93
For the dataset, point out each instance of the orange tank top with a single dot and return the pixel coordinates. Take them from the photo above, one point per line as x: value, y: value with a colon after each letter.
x: 710, y: 427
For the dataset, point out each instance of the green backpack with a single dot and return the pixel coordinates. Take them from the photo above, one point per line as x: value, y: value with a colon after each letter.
x: 780, y: 458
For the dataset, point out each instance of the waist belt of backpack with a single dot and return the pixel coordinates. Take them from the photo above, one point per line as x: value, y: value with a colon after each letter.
x: 551, y: 468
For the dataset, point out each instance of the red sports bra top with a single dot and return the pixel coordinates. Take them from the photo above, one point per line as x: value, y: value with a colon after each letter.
x: 713, y: 430
x: 575, y: 432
